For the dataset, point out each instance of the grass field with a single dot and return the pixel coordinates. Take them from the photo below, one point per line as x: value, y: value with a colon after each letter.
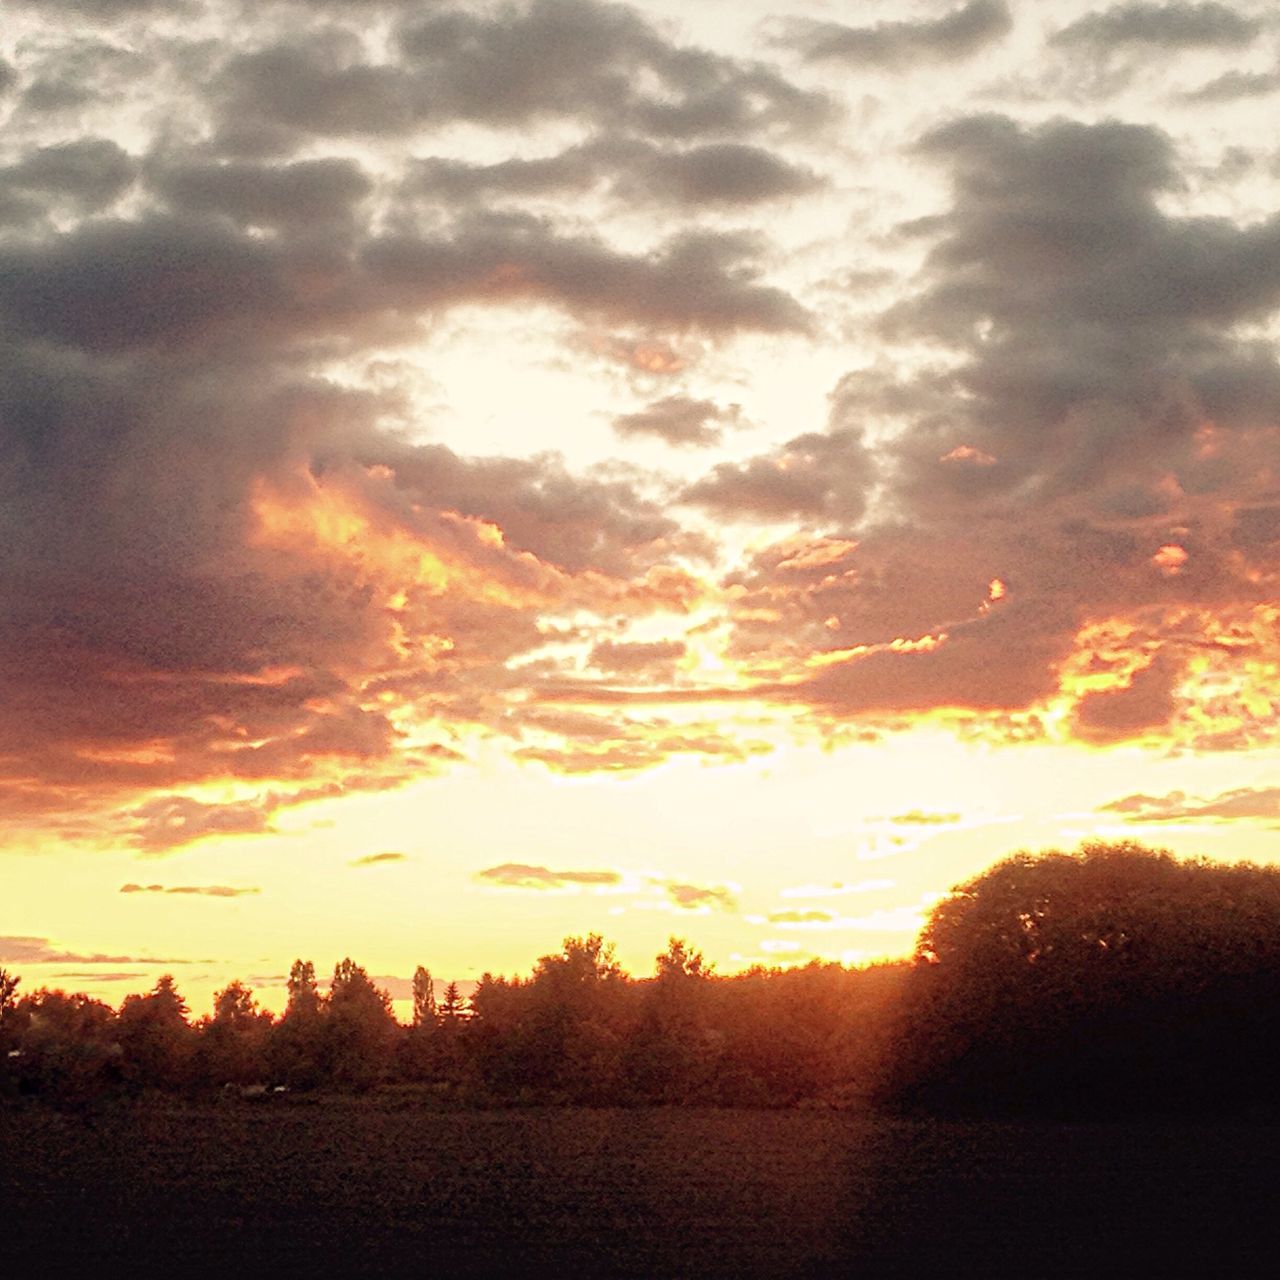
x: 351, y: 1187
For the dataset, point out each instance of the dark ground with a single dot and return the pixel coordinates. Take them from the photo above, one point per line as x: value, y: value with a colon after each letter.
x: 365, y: 1187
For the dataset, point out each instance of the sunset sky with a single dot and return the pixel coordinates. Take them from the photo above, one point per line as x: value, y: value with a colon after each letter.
x: 472, y: 474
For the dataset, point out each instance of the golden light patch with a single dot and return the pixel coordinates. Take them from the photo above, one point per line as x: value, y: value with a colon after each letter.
x: 329, y: 520
x: 1170, y: 560
x: 969, y: 455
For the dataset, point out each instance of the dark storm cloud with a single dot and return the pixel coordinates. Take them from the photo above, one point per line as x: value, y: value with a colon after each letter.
x: 1169, y: 26
x: 959, y: 33
x: 630, y: 169
x: 815, y: 477
x: 679, y: 420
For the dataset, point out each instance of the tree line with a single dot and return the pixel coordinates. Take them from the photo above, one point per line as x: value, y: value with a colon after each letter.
x: 1110, y: 977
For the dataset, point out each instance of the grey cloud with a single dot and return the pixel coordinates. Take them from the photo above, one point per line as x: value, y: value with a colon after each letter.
x: 109, y: 10
x: 1176, y: 25
x: 581, y: 59
x: 603, y: 64
x: 816, y: 477
x: 92, y: 172
x: 319, y: 86
x: 1233, y: 85
x: 679, y: 420
x: 629, y: 169
x: 8, y: 76
x: 1087, y: 315
x: 294, y: 195
x: 519, y: 875
x: 696, y: 279
x: 1244, y: 804
x: 957, y: 34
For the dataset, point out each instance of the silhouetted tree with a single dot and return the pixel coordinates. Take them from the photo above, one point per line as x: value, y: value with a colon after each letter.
x: 234, y: 1041
x: 671, y: 1053
x: 297, y: 1045
x: 1108, y: 977
x: 67, y: 1046
x: 8, y: 1005
x: 360, y: 1030
x: 452, y: 1007
x: 155, y: 1037
x: 424, y: 999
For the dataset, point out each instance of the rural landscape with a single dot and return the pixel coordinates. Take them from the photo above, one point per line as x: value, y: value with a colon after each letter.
x: 639, y: 638
x: 1072, y: 1029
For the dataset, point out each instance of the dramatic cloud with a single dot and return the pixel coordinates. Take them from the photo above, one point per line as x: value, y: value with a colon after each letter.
x: 518, y: 875
x: 958, y: 34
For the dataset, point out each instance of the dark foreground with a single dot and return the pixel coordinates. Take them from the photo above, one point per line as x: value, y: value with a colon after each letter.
x: 361, y: 1187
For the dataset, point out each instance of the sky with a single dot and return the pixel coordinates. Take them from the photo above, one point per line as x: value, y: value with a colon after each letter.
x: 473, y: 474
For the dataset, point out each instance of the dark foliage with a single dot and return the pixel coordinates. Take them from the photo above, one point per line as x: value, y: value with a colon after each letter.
x: 1113, y: 978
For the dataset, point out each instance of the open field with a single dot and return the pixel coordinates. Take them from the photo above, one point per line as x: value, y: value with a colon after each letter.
x: 370, y: 1187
